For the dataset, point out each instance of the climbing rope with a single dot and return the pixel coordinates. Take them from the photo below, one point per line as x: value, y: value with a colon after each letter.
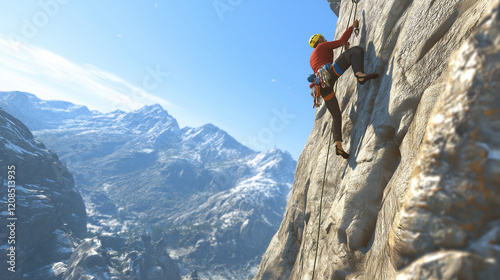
x: 321, y: 205
x: 356, y: 31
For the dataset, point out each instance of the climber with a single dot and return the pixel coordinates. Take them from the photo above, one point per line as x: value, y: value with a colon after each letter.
x: 321, y: 60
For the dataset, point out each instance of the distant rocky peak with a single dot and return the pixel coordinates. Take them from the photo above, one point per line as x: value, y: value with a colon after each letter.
x: 16, y: 97
x: 270, y: 155
x: 272, y: 161
x: 40, y: 114
x: 25, y: 100
x: 203, y: 133
x: 150, y: 118
x: 155, y: 108
x: 214, y: 138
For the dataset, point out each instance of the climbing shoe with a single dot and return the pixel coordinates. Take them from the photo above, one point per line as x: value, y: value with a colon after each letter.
x: 340, y: 152
x: 366, y: 78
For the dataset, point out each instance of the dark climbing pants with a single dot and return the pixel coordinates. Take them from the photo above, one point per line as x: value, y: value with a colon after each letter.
x: 355, y: 57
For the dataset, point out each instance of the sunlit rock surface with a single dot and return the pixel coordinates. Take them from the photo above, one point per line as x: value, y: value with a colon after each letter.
x: 420, y: 196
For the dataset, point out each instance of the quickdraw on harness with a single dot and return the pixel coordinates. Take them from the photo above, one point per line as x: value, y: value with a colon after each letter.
x: 322, y: 80
x: 356, y: 31
x: 315, y: 95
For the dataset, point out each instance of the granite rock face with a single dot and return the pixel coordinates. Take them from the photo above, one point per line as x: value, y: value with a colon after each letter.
x: 461, y: 149
x: 335, y: 6
x: 419, y: 198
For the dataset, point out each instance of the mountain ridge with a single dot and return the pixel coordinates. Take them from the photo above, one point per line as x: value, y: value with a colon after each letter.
x: 139, y: 171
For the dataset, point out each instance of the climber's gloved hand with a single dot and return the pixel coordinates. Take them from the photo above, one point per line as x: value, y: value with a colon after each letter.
x: 346, y: 46
x: 355, y: 24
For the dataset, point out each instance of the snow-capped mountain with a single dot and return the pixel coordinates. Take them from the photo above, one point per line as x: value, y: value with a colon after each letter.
x: 45, y: 218
x: 40, y: 114
x: 216, y: 202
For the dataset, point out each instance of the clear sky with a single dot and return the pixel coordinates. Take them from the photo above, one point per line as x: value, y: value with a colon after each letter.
x: 239, y: 64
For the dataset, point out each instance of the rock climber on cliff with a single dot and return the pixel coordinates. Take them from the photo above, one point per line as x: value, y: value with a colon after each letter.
x: 327, y: 74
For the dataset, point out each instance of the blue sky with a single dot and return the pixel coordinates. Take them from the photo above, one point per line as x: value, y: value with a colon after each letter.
x: 239, y: 64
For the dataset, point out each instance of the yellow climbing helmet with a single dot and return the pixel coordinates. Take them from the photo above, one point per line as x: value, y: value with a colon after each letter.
x: 314, y: 39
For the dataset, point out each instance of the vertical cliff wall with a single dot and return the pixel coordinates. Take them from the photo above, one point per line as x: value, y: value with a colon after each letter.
x: 420, y: 196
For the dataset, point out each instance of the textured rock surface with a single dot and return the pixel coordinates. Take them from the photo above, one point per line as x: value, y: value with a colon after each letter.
x: 454, y: 194
x: 48, y: 208
x: 404, y: 205
x: 335, y: 6
x: 111, y: 257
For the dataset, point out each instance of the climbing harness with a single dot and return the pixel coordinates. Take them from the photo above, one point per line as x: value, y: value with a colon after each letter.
x: 356, y: 31
x: 324, y: 76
